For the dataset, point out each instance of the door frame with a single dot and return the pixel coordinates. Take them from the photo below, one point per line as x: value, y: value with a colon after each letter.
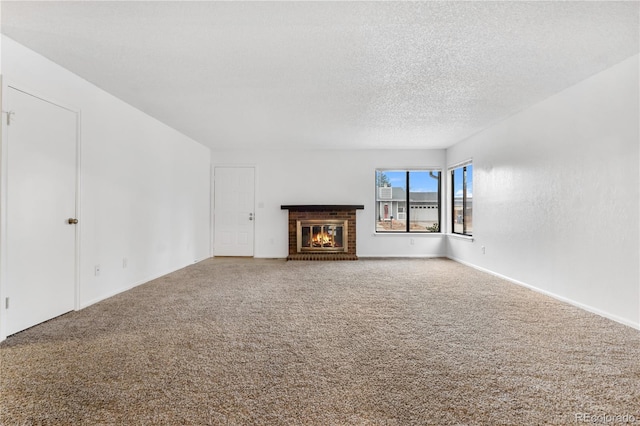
x: 213, y: 202
x: 5, y: 85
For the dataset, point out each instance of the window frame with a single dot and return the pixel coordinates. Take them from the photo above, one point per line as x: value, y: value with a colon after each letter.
x: 465, y: 184
x: 407, y: 202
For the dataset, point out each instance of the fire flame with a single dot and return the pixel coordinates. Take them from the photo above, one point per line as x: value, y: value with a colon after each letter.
x: 322, y: 239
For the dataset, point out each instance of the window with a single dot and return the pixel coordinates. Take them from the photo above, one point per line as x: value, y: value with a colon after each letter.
x: 408, y: 200
x: 462, y: 199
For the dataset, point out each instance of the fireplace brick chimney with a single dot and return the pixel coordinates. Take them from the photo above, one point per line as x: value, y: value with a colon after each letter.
x: 322, y: 212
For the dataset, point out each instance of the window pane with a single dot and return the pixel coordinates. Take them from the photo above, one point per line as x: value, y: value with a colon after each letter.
x: 423, y: 201
x: 458, y: 217
x: 468, y: 211
x: 462, y: 208
x: 414, y: 208
x: 391, y: 214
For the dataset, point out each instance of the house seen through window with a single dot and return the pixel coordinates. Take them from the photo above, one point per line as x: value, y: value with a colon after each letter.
x: 408, y: 200
x: 462, y: 199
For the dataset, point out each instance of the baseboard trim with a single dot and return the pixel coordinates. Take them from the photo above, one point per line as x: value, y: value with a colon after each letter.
x: 402, y: 256
x: 105, y: 297
x: 553, y: 295
x: 130, y: 286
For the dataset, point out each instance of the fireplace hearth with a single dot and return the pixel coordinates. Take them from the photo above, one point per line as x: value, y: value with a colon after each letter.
x: 322, y: 232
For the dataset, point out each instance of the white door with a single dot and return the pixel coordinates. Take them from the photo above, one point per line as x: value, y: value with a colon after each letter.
x: 233, y: 207
x: 41, y: 198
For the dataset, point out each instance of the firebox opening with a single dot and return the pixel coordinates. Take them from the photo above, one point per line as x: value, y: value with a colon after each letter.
x: 326, y: 236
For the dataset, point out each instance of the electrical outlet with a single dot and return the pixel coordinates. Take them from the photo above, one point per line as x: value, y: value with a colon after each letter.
x: 96, y: 270
x: 412, y: 241
x: 483, y: 249
x: 124, y: 262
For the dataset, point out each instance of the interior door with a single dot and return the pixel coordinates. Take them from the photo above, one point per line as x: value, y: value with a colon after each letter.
x: 233, y: 211
x: 41, y: 200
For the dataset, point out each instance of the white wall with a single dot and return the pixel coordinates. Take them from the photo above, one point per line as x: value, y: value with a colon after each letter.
x: 330, y: 177
x: 145, y: 187
x: 556, y: 195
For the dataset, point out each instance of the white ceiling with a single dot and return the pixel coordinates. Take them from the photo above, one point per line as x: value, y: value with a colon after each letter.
x: 328, y: 74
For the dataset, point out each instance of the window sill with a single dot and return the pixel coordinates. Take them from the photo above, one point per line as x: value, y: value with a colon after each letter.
x: 409, y: 234
x: 468, y: 238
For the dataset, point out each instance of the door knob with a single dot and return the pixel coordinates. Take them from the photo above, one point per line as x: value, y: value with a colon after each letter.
x: 72, y: 221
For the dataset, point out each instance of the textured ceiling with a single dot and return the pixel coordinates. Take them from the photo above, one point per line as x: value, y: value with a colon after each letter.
x: 329, y: 74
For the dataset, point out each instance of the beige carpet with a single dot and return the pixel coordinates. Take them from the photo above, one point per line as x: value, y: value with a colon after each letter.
x: 392, y: 342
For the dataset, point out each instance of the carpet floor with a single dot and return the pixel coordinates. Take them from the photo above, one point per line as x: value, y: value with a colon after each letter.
x: 381, y: 342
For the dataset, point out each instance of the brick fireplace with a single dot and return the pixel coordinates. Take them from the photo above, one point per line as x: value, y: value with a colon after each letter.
x: 322, y: 232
